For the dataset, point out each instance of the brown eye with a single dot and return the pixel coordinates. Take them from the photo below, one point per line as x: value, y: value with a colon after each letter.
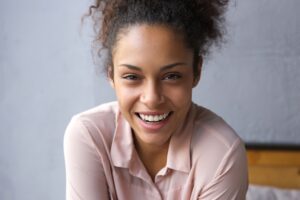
x: 172, y: 76
x: 131, y: 77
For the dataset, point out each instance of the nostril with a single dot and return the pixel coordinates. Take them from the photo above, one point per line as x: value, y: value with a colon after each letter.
x: 152, y: 99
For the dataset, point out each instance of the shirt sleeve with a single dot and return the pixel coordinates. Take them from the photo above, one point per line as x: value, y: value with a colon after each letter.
x: 231, y: 179
x: 85, y: 177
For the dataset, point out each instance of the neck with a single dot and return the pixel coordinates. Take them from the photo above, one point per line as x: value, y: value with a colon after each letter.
x: 153, y: 157
x: 149, y: 150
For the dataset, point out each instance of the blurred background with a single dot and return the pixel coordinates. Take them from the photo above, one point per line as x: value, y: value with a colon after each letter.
x: 47, y: 75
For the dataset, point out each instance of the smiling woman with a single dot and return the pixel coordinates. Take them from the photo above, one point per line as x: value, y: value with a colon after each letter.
x: 162, y: 83
x: 154, y: 142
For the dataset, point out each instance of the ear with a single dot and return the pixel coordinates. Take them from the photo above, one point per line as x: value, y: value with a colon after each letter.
x: 199, y: 70
x: 110, y: 76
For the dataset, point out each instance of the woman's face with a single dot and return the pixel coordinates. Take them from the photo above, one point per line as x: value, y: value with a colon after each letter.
x: 153, y: 80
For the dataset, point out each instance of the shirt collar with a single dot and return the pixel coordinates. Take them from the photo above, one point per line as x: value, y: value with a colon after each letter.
x: 122, y: 145
x: 179, y: 157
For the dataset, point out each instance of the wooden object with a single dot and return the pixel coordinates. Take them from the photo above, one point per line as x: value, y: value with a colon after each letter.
x: 279, y: 168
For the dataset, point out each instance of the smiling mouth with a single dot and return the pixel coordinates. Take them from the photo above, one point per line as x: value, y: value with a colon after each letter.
x: 154, y: 118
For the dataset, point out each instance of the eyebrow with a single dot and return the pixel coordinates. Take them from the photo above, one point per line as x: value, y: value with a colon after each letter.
x: 164, y: 68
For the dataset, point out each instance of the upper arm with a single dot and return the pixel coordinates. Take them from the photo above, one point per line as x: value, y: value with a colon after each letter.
x: 85, y: 177
x: 231, y: 178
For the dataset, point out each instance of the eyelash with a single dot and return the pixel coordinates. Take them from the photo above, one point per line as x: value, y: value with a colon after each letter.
x: 131, y: 77
x: 170, y: 77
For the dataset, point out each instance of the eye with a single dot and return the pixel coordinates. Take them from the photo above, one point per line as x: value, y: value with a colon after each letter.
x: 131, y: 77
x: 172, y: 76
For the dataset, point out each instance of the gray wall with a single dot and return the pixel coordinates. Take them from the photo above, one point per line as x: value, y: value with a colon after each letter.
x: 47, y: 75
x: 254, y: 81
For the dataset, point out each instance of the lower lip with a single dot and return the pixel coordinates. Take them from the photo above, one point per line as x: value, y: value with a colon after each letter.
x: 153, y: 127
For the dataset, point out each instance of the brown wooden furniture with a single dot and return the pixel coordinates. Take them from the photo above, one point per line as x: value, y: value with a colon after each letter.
x: 279, y: 167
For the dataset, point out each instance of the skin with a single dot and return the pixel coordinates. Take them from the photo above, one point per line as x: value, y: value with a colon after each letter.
x: 153, y: 74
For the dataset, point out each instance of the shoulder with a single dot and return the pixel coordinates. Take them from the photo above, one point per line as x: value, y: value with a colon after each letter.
x: 211, y: 128
x: 87, y: 144
x: 214, y: 142
x: 100, y: 114
x: 96, y: 124
x: 216, y: 147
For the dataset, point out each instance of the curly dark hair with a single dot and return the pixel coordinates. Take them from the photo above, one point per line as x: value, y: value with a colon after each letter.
x: 201, y: 22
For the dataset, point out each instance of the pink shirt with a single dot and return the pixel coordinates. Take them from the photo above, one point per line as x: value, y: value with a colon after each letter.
x: 206, y: 159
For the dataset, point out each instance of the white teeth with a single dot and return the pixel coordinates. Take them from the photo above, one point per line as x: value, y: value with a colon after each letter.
x: 153, y: 118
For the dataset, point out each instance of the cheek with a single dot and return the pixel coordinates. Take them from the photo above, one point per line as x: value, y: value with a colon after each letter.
x: 126, y: 95
x: 180, y: 96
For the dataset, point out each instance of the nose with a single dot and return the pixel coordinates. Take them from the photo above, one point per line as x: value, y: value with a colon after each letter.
x: 152, y: 95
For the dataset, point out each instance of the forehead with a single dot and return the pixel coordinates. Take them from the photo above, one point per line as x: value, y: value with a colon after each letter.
x: 150, y: 42
x: 151, y: 33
